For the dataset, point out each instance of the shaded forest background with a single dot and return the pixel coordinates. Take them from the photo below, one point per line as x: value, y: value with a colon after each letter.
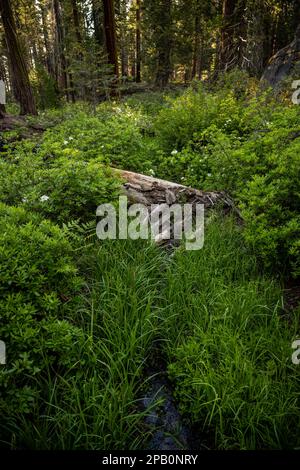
x: 53, y: 50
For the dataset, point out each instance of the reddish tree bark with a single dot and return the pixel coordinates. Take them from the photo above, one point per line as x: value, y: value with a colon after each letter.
x: 110, y: 34
x: 61, y: 48
x: 17, y: 62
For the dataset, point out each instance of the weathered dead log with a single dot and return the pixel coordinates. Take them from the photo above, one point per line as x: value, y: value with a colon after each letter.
x: 9, y: 122
x: 147, y: 190
x: 23, y: 128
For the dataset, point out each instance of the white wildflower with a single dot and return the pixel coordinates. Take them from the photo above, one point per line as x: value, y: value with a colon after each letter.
x: 24, y: 199
x: 174, y: 152
x: 44, y: 198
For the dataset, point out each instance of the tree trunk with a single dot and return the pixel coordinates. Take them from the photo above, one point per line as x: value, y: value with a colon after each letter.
x: 121, y: 8
x: 163, y: 44
x: 110, y: 35
x: 2, y: 111
x: 76, y: 19
x: 226, y: 60
x: 17, y: 62
x: 124, y: 60
x: 257, y: 37
x: 49, y: 62
x: 61, y: 47
x: 138, y: 41
x: 148, y: 190
x: 196, y: 52
x: 72, y: 88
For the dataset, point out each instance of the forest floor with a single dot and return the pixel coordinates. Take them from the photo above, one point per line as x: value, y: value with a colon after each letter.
x: 153, y: 349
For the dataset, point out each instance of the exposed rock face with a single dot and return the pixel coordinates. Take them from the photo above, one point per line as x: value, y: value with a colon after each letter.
x: 283, y: 62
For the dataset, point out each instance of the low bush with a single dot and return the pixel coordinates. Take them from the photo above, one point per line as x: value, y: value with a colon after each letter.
x: 270, y: 199
x: 197, y: 109
x: 71, y: 190
x: 64, y: 190
x: 39, y: 288
x: 113, y: 135
x: 248, y: 147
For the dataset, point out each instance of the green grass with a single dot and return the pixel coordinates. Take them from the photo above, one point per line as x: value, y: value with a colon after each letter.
x: 225, y: 335
x: 230, y: 346
x: 95, y: 405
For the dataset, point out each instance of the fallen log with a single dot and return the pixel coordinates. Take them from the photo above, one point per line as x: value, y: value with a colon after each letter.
x: 23, y: 129
x: 142, y: 189
x: 8, y: 122
x: 150, y: 192
x: 18, y: 123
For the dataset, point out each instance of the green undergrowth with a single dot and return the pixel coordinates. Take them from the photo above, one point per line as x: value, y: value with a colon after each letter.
x: 88, y: 399
x: 80, y: 317
x: 229, y: 346
x: 221, y: 325
x: 237, y: 138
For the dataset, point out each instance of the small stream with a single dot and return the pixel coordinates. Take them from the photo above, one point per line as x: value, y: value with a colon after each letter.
x: 169, y: 430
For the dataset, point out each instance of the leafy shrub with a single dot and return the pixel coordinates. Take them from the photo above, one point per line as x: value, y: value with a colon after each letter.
x: 203, y: 163
x: 270, y: 203
x: 62, y: 190
x: 113, y: 136
x: 71, y: 190
x: 18, y: 166
x: 190, y: 113
x: 196, y: 110
x: 237, y: 81
x: 39, y: 288
x: 150, y: 103
x: 263, y: 174
x: 249, y: 147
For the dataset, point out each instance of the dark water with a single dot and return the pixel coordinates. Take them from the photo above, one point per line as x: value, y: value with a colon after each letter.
x: 170, y: 433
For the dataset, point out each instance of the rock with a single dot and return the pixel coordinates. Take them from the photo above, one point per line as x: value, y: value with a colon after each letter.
x: 284, y: 62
